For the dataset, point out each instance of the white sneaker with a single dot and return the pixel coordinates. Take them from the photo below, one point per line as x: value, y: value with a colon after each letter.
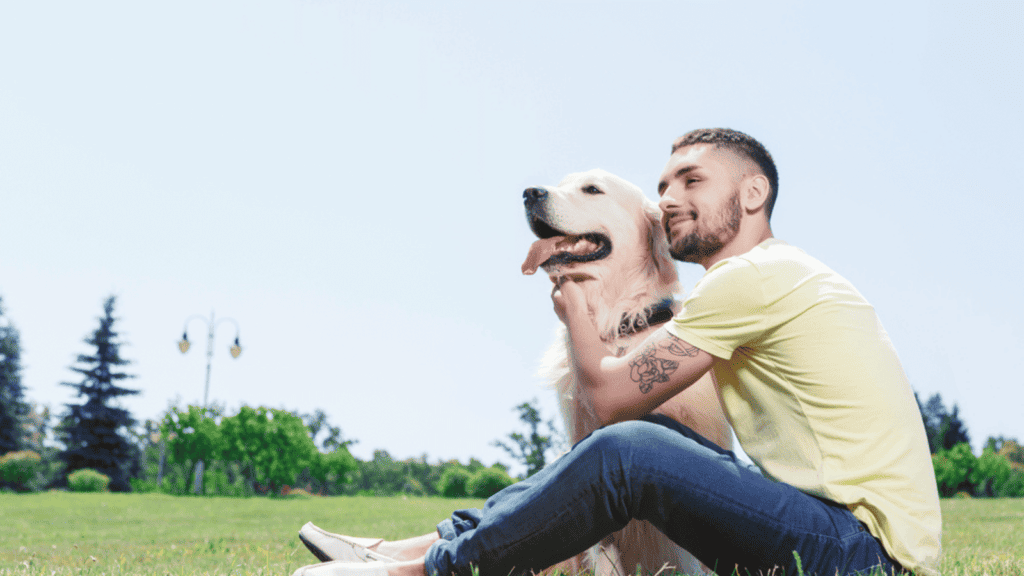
x: 328, y: 547
x: 373, y: 568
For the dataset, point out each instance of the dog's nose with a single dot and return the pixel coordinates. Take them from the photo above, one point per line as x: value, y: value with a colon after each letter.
x: 533, y: 195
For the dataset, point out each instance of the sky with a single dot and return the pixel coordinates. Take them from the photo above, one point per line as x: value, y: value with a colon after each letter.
x: 344, y: 181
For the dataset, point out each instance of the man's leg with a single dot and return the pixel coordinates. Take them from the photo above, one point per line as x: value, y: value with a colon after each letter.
x: 723, y: 512
x: 408, y: 549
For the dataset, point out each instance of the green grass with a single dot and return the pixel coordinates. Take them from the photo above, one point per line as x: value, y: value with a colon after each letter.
x: 56, y: 533
x: 151, y: 534
x: 983, y: 537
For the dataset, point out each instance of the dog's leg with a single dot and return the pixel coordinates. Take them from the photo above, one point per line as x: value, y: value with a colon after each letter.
x: 606, y: 560
x: 645, y: 548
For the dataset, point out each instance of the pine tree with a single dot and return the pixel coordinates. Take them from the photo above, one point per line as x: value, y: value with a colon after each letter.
x: 934, y: 415
x: 95, y: 434
x: 953, y: 431
x: 13, y: 408
x: 944, y: 427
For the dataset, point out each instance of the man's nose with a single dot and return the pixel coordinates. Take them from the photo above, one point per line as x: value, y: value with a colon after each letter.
x: 533, y: 195
x: 667, y: 200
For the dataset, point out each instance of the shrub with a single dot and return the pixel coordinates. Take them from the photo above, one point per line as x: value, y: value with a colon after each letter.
x: 991, y: 471
x: 952, y: 467
x: 1013, y: 452
x: 958, y: 470
x: 175, y: 480
x: 143, y: 486
x: 414, y: 487
x: 18, y: 468
x: 453, y: 482
x: 298, y: 494
x: 87, y: 480
x: 1013, y: 487
x: 487, y: 482
x: 226, y: 479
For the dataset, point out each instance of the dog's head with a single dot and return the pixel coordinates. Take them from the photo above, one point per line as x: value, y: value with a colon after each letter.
x: 596, y: 226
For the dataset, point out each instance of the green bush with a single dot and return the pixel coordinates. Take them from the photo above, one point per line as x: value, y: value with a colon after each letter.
x: 88, y: 480
x: 225, y: 479
x: 952, y: 468
x: 298, y: 494
x: 413, y: 487
x: 487, y: 482
x: 453, y: 482
x: 1013, y: 487
x: 958, y: 470
x: 175, y: 480
x: 143, y: 486
x: 990, y: 472
x: 331, y: 472
x: 18, y: 468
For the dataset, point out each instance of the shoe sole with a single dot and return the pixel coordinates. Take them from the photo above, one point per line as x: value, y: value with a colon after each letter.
x: 320, y: 554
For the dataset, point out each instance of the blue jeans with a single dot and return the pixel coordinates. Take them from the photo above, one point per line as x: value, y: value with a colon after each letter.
x: 721, y: 510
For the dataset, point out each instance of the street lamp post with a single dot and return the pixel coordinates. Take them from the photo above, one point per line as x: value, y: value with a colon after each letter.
x: 184, y: 345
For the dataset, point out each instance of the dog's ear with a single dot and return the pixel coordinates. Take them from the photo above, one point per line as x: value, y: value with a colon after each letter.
x: 664, y: 265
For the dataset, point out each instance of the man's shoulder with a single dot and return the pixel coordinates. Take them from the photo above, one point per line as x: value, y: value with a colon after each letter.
x: 769, y: 258
x: 736, y: 299
x: 773, y: 251
x: 771, y: 273
x: 776, y: 258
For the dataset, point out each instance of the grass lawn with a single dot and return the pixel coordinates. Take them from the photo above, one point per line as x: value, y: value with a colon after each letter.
x: 116, y: 534
x: 58, y: 533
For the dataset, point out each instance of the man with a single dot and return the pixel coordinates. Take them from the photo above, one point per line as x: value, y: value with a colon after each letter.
x: 806, y: 374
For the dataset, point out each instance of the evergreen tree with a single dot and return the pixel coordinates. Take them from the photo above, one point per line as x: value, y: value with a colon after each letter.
x: 944, y: 428
x: 931, y: 422
x: 95, y: 434
x: 13, y: 408
x: 953, y: 431
x: 934, y: 415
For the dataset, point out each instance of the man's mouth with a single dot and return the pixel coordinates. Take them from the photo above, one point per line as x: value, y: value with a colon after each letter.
x: 555, y: 248
x: 678, y: 220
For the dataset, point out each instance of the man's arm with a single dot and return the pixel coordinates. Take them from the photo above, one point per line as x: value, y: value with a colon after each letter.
x: 631, y: 386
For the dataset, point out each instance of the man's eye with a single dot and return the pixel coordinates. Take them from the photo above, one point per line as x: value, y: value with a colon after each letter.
x: 691, y: 181
x: 592, y: 190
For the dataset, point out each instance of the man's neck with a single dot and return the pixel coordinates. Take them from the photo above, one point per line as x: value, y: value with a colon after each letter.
x: 744, y: 242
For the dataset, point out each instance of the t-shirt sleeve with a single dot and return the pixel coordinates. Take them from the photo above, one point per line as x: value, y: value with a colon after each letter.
x: 724, y: 311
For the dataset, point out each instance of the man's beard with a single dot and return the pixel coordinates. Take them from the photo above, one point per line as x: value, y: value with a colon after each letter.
x: 700, y: 245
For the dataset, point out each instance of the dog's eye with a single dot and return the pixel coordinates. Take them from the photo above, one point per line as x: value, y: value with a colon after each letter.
x: 592, y: 190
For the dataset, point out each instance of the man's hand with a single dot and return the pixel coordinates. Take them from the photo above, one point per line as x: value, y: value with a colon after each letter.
x: 569, y: 300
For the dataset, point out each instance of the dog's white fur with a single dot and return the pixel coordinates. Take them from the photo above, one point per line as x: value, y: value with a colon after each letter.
x: 636, y: 275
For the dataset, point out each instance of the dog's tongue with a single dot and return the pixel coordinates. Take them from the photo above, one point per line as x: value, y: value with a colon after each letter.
x: 540, y: 251
x: 545, y: 248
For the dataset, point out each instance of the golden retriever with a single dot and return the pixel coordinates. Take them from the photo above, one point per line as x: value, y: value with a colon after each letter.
x: 601, y: 230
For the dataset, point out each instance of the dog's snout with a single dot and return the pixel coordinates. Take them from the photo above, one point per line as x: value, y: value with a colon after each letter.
x: 533, y: 195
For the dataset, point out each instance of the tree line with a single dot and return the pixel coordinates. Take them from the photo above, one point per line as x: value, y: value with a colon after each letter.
x: 192, y: 449
x: 270, y: 451
x: 998, y: 472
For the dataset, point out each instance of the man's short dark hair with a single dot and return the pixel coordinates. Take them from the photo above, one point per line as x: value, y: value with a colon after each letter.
x: 742, y: 145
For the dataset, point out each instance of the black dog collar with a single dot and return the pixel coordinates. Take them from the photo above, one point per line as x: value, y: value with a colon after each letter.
x: 658, y: 314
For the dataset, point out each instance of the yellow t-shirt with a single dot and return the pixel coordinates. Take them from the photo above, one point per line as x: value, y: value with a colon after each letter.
x: 813, y: 388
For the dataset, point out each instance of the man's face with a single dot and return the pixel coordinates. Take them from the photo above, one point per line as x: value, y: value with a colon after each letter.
x: 700, y: 201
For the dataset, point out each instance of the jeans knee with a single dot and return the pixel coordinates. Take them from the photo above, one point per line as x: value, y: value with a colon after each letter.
x: 623, y: 438
x: 638, y: 442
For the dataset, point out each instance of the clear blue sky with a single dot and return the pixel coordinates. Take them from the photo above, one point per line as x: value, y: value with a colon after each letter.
x: 344, y: 179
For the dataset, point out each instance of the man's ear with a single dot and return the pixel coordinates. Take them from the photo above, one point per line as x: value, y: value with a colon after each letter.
x: 755, y: 191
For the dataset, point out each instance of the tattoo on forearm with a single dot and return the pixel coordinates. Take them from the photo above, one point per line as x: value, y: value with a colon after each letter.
x: 646, y: 368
